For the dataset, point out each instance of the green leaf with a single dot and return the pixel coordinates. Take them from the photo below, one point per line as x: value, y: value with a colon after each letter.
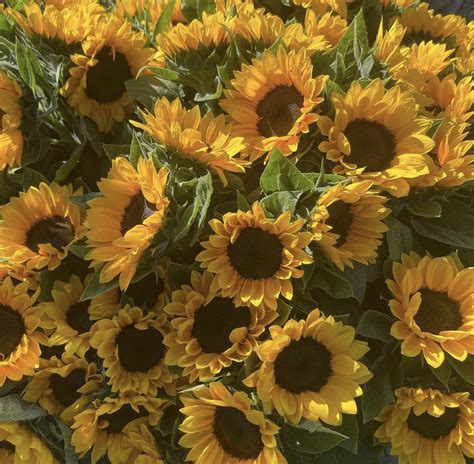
x: 443, y: 373
x: 374, y: 324
x: 66, y: 168
x: 146, y: 89
x: 70, y: 455
x: 464, y: 368
x: 399, y: 238
x: 242, y: 202
x: 281, y: 174
x: 136, y: 151
x: 331, y: 282
x: 178, y: 275
x: 284, y: 311
x: 350, y: 428
x: 13, y: 409
x: 213, y: 94
x: 164, y: 20
x: 82, y: 200
x: 24, y: 65
x: 95, y: 288
x: 114, y: 151
x: 164, y: 73
x: 427, y: 209
x: 79, y: 250
x: 32, y: 178
x: 279, y: 202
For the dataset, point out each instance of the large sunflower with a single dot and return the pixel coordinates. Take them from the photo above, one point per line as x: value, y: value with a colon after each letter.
x: 122, y: 222
x: 428, y: 426
x: 253, y: 257
x: 347, y: 223
x: 19, y: 444
x: 377, y: 134
x: 433, y: 302
x: 272, y: 101
x: 143, y: 444
x: 11, y: 138
x: 133, y: 351
x: 112, y: 55
x: 208, y: 331
x: 38, y: 227
x: 310, y: 369
x: 104, y: 427
x: 205, y: 139
x: 19, y: 337
x: 221, y: 426
x: 62, y: 386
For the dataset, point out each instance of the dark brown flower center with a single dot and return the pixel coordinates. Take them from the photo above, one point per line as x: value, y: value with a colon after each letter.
x: 12, y: 329
x: 340, y: 219
x: 136, y: 212
x: 146, y: 291
x: 437, y: 312
x: 237, y: 436
x: 65, y: 388
x: 372, y: 145
x: 303, y: 365
x: 432, y: 427
x: 77, y: 317
x: 7, y: 446
x: 255, y: 254
x: 106, y: 80
x: 139, y: 350
x: 278, y: 110
x: 56, y: 230
x: 214, y: 322
x: 121, y: 418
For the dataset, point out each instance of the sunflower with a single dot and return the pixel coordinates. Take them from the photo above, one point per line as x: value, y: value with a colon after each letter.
x: 378, y: 135
x: 19, y: 335
x: 272, y: 101
x: 105, y: 426
x: 428, y: 426
x: 331, y: 27
x: 221, y: 426
x: 20, y: 273
x: 433, y: 302
x: 131, y: 345
x: 39, y: 226
x: 347, y: 223
x: 254, y: 257
x: 153, y: 8
x: 105, y: 305
x: 11, y: 138
x: 310, y: 369
x: 112, y: 55
x: 210, y: 332
x: 19, y: 444
x: 324, y: 6
x: 205, y: 139
x: 67, y: 318
x: 122, y: 222
x: 62, y: 386
x: 143, y: 444
x: 388, y: 47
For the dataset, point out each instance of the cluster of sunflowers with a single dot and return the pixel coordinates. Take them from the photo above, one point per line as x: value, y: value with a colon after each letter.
x: 236, y: 231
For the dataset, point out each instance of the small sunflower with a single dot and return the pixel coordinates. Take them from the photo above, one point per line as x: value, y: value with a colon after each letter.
x: 38, y: 227
x: 153, y: 8
x: 428, y: 426
x: 112, y: 55
x: 67, y: 318
x: 143, y: 444
x: 388, y: 49
x: 378, y: 135
x: 20, y: 444
x: 324, y: 6
x: 331, y: 27
x: 11, y: 115
x: 131, y: 345
x: 221, y: 426
x: 62, y: 386
x: 433, y: 302
x: 347, y: 223
x: 253, y: 257
x: 272, y: 101
x: 104, y: 427
x: 122, y: 222
x: 205, y: 139
x: 19, y: 337
x: 310, y: 369
x: 210, y: 332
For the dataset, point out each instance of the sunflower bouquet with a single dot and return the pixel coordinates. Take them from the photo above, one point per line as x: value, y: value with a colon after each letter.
x: 236, y: 232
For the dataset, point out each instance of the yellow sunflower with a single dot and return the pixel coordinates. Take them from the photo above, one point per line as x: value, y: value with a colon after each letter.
x: 428, y: 426
x: 208, y: 331
x: 11, y: 138
x: 110, y: 56
x: 67, y: 319
x: 221, y: 426
x: 433, y: 302
x: 104, y: 426
x: 143, y: 444
x: 324, y: 6
x: 38, y: 227
x: 131, y: 345
x: 378, y: 135
x: 388, y: 47
x: 310, y: 369
x: 205, y: 139
x: 153, y: 8
x: 105, y: 305
x: 253, y: 258
x: 20, y: 444
x: 122, y: 222
x: 62, y: 386
x: 20, y: 273
x: 19, y: 334
x: 347, y: 223
x: 331, y: 27
x: 272, y: 101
